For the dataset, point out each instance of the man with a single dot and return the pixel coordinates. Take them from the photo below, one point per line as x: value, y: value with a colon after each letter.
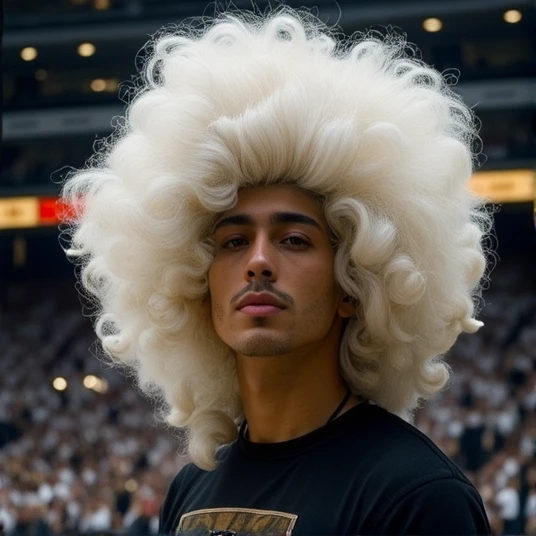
x: 283, y: 245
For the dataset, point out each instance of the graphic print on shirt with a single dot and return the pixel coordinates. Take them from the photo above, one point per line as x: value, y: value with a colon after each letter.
x: 237, y: 520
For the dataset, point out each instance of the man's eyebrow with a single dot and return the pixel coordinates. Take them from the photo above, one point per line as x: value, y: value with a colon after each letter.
x: 275, y: 219
x: 235, y: 219
x: 293, y: 217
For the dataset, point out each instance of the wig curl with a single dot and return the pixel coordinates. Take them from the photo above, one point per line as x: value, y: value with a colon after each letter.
x: 255, y: 100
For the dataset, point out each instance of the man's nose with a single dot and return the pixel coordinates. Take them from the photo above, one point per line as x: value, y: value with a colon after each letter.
x: 261, y: 262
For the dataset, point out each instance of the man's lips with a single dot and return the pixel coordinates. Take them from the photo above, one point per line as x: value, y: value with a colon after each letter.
x: 260, y: 304
x: 260, y: 310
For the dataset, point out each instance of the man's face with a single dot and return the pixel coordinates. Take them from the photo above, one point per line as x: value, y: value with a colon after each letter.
x: 272, y: 285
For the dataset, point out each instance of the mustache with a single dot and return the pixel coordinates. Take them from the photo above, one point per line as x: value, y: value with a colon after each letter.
x: 263, y: 286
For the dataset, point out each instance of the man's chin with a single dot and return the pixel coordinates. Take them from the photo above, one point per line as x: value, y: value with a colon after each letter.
x: 262, y: 345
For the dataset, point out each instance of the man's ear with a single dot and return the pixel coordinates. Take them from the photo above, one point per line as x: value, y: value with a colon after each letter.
x: 347, y: 306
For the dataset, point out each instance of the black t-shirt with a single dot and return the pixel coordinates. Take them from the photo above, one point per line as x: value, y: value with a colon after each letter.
x: 367, y: 472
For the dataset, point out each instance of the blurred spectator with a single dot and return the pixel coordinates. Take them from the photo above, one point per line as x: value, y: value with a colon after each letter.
x: 509, y: 504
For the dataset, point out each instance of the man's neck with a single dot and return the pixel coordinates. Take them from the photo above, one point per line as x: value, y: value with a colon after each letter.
x: 288, y: 396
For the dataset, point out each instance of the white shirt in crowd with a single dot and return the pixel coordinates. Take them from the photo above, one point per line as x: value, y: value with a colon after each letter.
x: 530, y: 506
x: 101, y: 519
x: 508, y: 502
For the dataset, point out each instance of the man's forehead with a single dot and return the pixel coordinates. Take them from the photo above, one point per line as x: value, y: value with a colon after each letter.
x: 273, y: 205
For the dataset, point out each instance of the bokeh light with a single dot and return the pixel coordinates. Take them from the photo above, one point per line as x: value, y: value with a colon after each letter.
x: 59, y: 383
x: 512, y: 16
x: 101, y: 5
x: 86, y: 50
x: 432, y: 25
x: 131, y: 485
x: 90, y: 381
x: 98, y: 85
x: 28, y: 53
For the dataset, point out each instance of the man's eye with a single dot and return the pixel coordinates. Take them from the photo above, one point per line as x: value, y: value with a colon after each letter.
x: 296, y: 241
x: 234, y: 243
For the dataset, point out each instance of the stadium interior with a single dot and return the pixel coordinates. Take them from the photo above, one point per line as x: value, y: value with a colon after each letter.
x: 80, y: 448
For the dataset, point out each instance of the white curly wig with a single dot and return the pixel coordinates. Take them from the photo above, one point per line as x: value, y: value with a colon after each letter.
x: 250, y: 100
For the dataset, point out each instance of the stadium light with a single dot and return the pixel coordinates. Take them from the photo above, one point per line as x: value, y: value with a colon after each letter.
x: 59, y: 383
x: 86, y: 50
x: 512, y: 16
x: 28, y: 53
x: 101, y: 5
x: 90, y: 381
x: 101, y: 387
x: 432, y: 25
x: 111, y: 84
x: 98, y: 85
x: 95, y: 384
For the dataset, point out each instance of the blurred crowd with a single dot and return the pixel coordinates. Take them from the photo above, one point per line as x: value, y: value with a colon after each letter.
x: 79, y: 460
x: 75, y: 460
x: 486, y: 420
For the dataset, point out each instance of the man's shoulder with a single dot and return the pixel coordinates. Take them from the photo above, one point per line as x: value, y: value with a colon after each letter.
x: 400, y: 451
x: 191, y: 473
x: 440, y: 505
x: 189, y: 486
x: 177, y: 490
x: 185, y: 474
x: 407, y: 472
